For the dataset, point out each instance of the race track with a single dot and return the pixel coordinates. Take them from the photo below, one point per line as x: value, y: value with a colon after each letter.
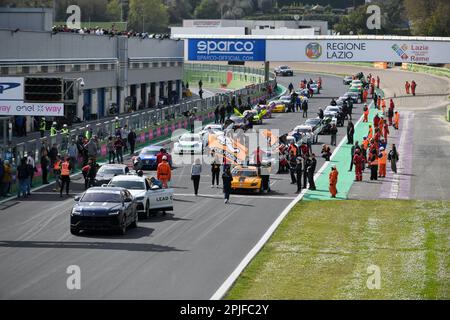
x: 185, y: 255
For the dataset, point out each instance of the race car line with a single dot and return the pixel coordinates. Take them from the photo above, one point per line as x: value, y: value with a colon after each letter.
x: 222, y: 290
x: 184, y: 255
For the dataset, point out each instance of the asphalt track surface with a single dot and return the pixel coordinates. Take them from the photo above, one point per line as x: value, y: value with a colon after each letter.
x: 184, y: 255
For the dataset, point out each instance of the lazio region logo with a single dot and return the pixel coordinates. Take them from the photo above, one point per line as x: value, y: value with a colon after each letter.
x: 313, y: 50
x: 400, y: 51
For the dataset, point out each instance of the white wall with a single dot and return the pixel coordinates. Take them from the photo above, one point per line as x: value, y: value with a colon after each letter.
x: 284, y: 31
x: 177, y: 32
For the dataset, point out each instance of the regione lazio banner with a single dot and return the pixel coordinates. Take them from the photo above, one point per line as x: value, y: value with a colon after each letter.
x: 11, y: 108
x: 407, y: 51
x: 226, y: 50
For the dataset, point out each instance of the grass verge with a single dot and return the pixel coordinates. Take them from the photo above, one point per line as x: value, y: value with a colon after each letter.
x: 322, y: 251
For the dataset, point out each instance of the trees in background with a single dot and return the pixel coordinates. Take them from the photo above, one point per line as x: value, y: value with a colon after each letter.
x: 148, y: 16
x: 429, y: 17
x: 393, y: 19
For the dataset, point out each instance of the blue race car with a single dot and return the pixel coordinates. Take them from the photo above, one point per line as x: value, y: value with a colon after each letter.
x: 148, y: 157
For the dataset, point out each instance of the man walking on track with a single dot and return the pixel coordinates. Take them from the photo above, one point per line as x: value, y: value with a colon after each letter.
x: 413, y: 87
x: 407, y: 86
x: 65, y: 176
x: 382, y: 163
x: 333, y: 177
x: 163, y: 172
x: 358, y: 160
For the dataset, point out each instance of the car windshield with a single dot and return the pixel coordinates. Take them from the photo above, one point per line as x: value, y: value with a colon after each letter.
x: 104, y: 170
x: 101, y: 197
x: 312, y: 121
x: 189, y: 138
x: 284, y: 67
x: 304, y: 130
x: 245, y: 173
x: 149, y: 152
x: 130, y: 185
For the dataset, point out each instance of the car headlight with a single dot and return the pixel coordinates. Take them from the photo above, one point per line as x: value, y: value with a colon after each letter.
x: 114, y: 213
x: 76, y: 211
x: 139, y: 198
x: 254, y: 184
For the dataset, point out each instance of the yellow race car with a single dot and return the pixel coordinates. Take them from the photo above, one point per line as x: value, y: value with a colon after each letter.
x: 279, y: 108
x: 246, y: 178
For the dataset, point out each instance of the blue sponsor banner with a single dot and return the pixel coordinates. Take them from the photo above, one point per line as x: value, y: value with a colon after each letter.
x: 226, y: 50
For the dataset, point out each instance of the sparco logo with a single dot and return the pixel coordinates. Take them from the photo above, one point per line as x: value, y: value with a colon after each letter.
x: 227, y: 47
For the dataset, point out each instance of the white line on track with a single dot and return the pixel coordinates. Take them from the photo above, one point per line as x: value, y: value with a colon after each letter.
x: 220, y: 196
x: 222, y: 290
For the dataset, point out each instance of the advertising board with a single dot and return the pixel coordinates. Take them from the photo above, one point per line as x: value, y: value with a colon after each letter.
x: 370, y: 50
x: 226, y: 50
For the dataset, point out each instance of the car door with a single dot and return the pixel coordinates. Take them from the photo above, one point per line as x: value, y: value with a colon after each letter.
x: 128, y: 206
x: 155, y: 198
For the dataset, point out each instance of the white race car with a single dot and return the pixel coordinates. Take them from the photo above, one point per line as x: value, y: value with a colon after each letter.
x: 150, y: 199
x: 189, y: 143
x: 304, y: 133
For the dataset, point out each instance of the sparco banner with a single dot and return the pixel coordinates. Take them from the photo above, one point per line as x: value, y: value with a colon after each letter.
x: 226, y: 50
x: 359, y: 50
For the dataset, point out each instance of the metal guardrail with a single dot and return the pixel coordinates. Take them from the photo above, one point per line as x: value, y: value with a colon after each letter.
x: 222, y: 68
x: 140, y: 121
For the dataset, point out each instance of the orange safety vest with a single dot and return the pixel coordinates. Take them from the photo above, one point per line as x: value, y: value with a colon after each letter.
x: 365, y: 144
x: 65, y: 171
x: 383, y: 158
x: 163, y: 171
x: 57, y: 165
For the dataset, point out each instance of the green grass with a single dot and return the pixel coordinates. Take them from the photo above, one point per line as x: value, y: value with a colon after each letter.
x: 214, y: 80
x: 323, y: 248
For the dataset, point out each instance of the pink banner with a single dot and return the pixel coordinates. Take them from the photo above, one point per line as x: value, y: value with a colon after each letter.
x: 142, y: 137
x: 173, y: 127
x: 39, y: 171
x: 150, y: 134
x: 166, y: 130
x: 158, y: 132
x: 103, y: 150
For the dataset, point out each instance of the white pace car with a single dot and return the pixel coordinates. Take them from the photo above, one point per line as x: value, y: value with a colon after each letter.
x: 150, y: 199
x: 189, y: 143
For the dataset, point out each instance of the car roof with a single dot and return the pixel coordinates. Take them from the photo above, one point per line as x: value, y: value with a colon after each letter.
x: 152, y: 148
x: 114, y: 165
x: 243, y: 168
x: 128, y: 177
x: 302, y: 126
x: 104, y: 189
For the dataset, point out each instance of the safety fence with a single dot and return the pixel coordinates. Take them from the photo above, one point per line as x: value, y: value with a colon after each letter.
x: 150, y: 126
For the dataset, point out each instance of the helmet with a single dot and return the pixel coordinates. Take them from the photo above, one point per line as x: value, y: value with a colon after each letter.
x: 117, y: 118
x: 164, y: 157
x: 381, y: 148
x: 65, y: 125
x: 54, y: 123
x: 140, y: 173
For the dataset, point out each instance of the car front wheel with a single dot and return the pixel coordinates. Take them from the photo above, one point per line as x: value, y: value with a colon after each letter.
x: 74, y: 231
x: 123, y: 227
x: 134, y: 224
